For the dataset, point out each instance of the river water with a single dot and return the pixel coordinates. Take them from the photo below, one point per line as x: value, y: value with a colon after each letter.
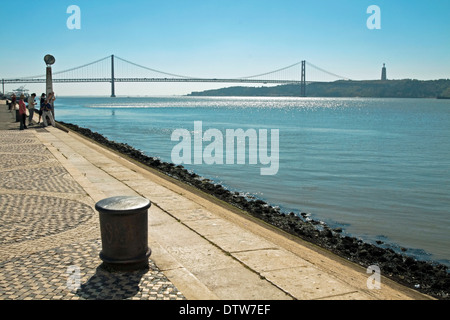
x: 377, y: 168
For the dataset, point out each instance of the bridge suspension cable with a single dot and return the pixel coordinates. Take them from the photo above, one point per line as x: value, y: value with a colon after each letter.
x: 271, y: 72
x: 83, y: 66
x: 68, y: 70
x: 327, y: 72
x: 154, y: 70
x: 191, y: 77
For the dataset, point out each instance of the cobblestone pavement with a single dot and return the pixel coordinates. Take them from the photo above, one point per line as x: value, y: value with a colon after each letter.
x: 49, y: 233
x: 72, y: 272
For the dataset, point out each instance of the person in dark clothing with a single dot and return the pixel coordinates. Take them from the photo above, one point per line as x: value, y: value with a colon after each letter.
x: 41, y: 107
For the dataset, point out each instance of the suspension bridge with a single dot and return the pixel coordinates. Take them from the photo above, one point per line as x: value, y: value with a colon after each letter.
x: 113, y: 69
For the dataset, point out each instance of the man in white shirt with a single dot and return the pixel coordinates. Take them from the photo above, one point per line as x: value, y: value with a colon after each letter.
x: 31, y: 105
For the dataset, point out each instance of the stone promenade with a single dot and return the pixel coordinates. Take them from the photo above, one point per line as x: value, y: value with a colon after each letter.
x: 202, y: 249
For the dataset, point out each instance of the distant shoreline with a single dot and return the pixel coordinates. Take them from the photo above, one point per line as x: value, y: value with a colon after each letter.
x: 407, y: 88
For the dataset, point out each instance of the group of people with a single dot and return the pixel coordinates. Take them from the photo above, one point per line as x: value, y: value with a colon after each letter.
x: 45, y: 111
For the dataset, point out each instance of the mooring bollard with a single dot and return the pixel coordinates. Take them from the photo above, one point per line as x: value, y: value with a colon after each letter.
x: 124, y: 232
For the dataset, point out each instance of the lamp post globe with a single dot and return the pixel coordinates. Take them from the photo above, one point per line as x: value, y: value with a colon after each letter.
x: 49, y: 59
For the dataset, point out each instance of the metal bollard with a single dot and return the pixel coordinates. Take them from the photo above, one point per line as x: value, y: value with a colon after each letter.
x: 124, y: 232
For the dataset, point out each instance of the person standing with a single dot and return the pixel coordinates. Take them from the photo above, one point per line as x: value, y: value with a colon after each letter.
x: 31, y: 105
x: 51, y: 99
x: 22, y: 112
x: 13, y: 102
x: 41, y: 106
x: 47, y: 112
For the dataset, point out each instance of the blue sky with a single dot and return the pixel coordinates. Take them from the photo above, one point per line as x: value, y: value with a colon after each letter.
x: 218, y: 38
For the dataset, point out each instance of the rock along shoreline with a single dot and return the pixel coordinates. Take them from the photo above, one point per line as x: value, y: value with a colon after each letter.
x: 427, y: 277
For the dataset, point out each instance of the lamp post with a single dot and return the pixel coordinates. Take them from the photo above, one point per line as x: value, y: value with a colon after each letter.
x: 49, y: 60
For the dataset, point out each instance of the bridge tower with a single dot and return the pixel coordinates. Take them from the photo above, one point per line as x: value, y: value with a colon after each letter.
x: 303, y: 81
x: 113, y: 94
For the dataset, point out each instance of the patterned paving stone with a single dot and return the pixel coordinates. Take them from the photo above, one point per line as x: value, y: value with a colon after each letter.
x: 28, y: 217
x: 36, y: 149
x: 15, y: 137
x: 49, y: 237
x: 73, y: 272
x: 56, y: 178
x: 21, y: 161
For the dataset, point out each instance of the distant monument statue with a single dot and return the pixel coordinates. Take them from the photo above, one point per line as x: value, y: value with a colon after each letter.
x: 383, y: 73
